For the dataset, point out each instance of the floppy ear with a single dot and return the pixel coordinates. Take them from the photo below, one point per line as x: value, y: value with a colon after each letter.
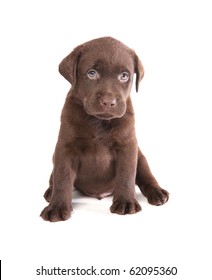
x: 68, y: 66
x: 139, y: 70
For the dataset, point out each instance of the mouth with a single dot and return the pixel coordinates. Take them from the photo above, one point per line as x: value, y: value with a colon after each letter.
x: 105, y: 116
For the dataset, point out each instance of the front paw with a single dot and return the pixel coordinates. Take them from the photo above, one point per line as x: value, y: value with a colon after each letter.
x: 56, y: 213
x: 124, y: 206
x: 48, y: 194
x: 158, y: 196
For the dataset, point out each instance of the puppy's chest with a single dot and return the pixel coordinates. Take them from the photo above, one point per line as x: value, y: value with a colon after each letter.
x: 96, y: 140
x: 96, y: 149
x: 96, y: 155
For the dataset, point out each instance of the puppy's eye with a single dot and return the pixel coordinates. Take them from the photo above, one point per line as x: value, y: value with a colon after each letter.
x: 92, y: 74
x: 124, y: 77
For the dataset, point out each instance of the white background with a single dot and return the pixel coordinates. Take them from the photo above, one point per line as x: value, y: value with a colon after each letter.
x: 173, y: 123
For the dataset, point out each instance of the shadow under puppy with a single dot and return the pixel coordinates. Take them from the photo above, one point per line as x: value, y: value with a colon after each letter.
x: 97, y: 151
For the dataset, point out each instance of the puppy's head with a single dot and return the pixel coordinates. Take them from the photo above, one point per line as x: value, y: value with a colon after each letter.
x: 101, y: 73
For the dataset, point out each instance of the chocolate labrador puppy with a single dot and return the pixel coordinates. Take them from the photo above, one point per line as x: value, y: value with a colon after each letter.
x: 97, y: 151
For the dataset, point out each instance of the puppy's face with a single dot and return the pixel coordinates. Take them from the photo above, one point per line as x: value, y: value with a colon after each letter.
x: 101, y: 73
x: 104, y: 81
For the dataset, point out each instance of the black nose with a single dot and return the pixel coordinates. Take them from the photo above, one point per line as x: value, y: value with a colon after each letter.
x: 108, y: 102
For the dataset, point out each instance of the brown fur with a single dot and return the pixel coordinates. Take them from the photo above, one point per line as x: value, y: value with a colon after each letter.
x: 97, y: 151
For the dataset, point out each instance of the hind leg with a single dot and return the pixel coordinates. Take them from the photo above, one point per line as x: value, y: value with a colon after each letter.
x: 148, y: 184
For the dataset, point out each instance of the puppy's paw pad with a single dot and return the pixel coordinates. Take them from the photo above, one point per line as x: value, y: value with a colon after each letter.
x: 56, y: 213
x: 158, y: 196
x: 123, y: 207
